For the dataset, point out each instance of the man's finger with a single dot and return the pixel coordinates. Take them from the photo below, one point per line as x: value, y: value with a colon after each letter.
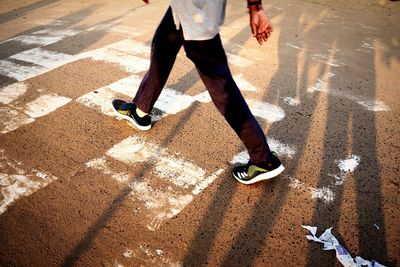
x: 253, y: 29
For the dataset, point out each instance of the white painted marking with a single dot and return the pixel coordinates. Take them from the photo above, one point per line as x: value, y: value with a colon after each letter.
x: 238, y: 60
x: 45, y: 104
x: 350, y: 164
x: 371, y: 105
x: 19, y: 72
x: 172, y: 102
x: 154, y: 257
x: 11, y: 92
x: 179, y: 172
x: 21, y: 184
x: 127, y: 62
x: 266, y: 111
x: 100, y: 100
x: 45, y: 37
x: 326, y: 60
x: 162, y: 205
x: 243, y: 84
x: 12, y: 119
x: 42, y: 57
x: 283, y: 150
x: 186, y: 178
x: 206, y: 182
x: 346, y: 167
x: 293, y: 46
x: 128, y: 253
x: 127, y: 86
x: 203, y: 97
x: 325, y: 194
x: 291, y: 101
x: 130, y: 46
x: 135, y: 149
x: 101, y: 165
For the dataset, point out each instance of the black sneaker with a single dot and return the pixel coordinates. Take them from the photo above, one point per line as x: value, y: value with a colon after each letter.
x: 250, y: 173
x: 127, y: 111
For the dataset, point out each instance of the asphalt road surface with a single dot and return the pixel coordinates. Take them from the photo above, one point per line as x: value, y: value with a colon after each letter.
x: 82, y: 188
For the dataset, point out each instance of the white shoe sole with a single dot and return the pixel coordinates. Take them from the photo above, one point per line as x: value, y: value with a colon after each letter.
x: 131, y: 120
x: 262, y: 177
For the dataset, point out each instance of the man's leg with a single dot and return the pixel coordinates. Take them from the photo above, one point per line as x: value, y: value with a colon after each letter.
x: 211, y: 63
x: 165, y: 46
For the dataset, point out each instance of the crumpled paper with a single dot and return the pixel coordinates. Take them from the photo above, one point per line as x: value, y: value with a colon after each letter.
x: 330, y: 242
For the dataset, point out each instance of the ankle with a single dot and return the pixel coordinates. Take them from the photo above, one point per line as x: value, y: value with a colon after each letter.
x: 141, y: 113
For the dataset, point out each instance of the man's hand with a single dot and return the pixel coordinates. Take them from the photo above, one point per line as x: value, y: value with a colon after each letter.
x: 260, y: 25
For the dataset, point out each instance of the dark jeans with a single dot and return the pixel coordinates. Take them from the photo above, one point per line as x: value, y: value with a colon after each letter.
x: 210, y: 60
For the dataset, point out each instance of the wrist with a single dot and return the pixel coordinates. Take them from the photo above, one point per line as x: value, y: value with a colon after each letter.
x: 254, y: 5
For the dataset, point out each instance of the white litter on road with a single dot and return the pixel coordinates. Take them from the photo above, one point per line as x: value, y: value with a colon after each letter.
x: 331, y: 243
x: 11, y: 92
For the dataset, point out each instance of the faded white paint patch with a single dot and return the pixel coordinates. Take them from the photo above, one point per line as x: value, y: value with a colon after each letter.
x: 322, y: 58
x: 21, y: 183
x: 283, y: 150
x: 128, y: 253
x: 238, y: 60
x: 127, y: 62
x: 346, y: 167
x: 320, y: 86
x: 266, y: 111
x: 291, y: 101
x: 155, y: 257
x: 243, y: 84
x: 325, y: 194
x: 179, y: 172
x: 11, y: 92
x: 42, y: 57
x: 100, y: 99
x: 206, y: 182
x: 162, y: 205
x: 19, y: 72
x: 45, y: 104
x: 101, y: 165
x: 241, y: 158
x: 371, y: 105
x: 374, y: 105
x: 135, y: 149
x: 45, y: 36
x: 12, y: 119
x: 172, y: 101
x: 127, y: 86
x: 203, y: 97
x: 350, y: 164
x: 293, y: 46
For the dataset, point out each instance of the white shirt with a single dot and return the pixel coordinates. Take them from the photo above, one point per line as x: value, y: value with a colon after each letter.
x: 199, y: 19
